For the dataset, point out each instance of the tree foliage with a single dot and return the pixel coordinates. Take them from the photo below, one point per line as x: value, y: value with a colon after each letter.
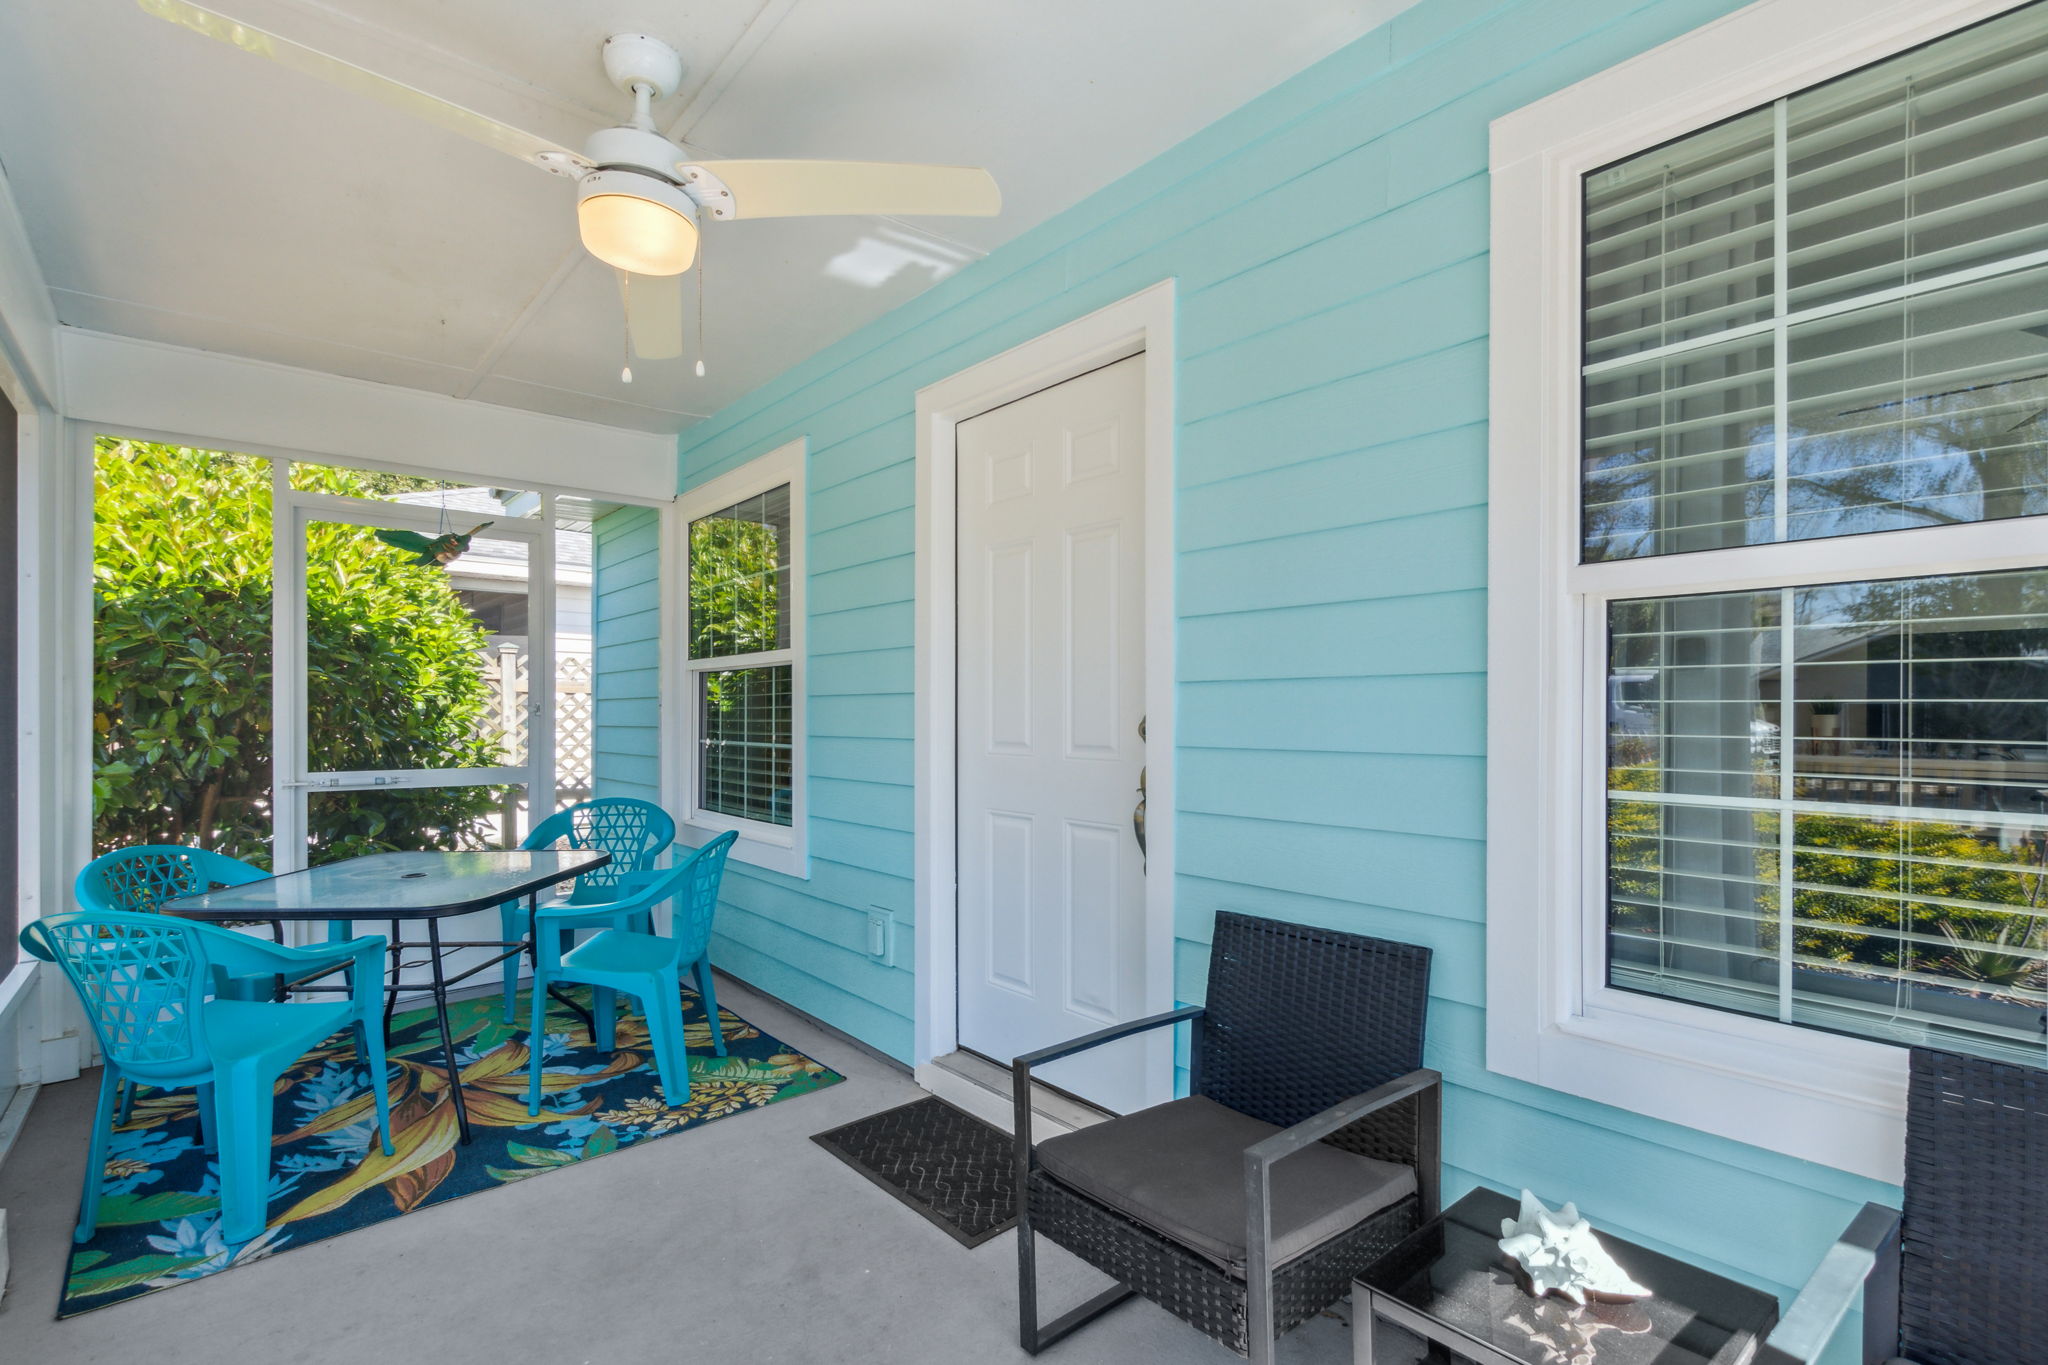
x: 735, y: 606
x: 182, y: 596
x: 734, y: 587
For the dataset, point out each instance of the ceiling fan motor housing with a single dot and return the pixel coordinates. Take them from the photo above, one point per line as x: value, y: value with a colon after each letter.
x: 635, y: 149
x: 638, y: 152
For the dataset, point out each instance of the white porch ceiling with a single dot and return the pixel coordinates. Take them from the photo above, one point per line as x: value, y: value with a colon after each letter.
x: 179, y: 191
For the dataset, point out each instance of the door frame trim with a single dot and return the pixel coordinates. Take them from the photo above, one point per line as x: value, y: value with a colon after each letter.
x: 1139, y: 324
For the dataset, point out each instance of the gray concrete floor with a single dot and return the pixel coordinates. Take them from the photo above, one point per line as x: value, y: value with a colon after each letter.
x: 739, y: 1241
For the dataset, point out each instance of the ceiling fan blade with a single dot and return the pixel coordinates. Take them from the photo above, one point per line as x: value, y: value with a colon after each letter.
x: 527, y: 147
x: 654, y: 314
x: 802, y: 189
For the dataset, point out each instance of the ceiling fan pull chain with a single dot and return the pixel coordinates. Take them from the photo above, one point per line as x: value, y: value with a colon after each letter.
x: 700, y: 309
x: 625, y: 334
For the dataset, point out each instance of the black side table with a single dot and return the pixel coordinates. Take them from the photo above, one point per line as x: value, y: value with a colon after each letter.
x: 1450, y: 1284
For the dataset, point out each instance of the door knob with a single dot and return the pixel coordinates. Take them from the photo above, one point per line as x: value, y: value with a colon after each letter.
x: 1138, y: 811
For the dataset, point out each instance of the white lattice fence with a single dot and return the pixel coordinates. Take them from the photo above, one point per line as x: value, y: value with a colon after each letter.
x: 575, y: 730
x: 505, y: 668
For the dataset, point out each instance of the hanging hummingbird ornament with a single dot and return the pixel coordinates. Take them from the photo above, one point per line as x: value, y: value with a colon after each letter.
x: 441, y: 550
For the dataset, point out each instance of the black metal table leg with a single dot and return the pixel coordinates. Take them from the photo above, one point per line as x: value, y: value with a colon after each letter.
x: 277, y: 992
x: 447, y: 1034
x: 530, y: 945
x: 391, y: 985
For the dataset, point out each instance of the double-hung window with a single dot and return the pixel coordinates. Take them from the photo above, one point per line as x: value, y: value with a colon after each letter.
x: 1784, y: 768
x: 743, y: 664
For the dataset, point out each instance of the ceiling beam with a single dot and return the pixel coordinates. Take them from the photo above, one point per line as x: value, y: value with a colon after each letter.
x: 730, y: 64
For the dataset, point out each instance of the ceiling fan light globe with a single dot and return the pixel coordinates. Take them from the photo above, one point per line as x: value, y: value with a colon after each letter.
x: 636, y: 223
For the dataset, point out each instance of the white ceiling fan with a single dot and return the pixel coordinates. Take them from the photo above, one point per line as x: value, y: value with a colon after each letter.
x: 639, y: 196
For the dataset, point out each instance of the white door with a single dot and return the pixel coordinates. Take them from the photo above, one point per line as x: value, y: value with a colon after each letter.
x: 1051, y: 694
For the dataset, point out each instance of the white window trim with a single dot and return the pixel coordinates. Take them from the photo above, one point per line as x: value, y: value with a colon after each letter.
x: 773, y: 847
x: 1551, y: 1019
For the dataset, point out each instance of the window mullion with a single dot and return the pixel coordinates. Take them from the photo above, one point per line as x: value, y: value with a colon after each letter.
x: 1788, y: 840
x: 1781, y: 369
x: 727, y: 663
x: 2016, y: 542
x: 1781, y: 514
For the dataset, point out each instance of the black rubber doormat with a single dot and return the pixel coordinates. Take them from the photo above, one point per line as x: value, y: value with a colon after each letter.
x: 943, y: 1162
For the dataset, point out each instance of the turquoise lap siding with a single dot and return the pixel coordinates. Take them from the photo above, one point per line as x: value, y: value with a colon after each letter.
x: 626, y: 614
x: 1329, y: 240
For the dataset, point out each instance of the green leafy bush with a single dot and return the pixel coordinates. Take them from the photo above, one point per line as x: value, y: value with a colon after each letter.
x: 1918, y: 896
x: 182, y: 594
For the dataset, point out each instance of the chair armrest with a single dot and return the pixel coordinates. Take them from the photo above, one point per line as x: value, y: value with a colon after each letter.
x: 623, y: 887
x: 1020, y: 1076
x: 1865, y: 1255
x: 569, y: 913
x: 255, y: 955
x: 1258, y: 1174
x: 1260, y: 1156
x: 1314, y: 1129
x: 1023, y: 1064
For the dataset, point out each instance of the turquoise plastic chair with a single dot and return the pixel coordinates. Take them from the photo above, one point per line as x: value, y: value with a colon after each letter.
x: 139, y: 880
x: 634, y: 832
x: 145, y: 982
x: 649, y: 966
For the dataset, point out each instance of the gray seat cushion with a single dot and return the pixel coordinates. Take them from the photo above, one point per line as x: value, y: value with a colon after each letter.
x: 1178, y: 1168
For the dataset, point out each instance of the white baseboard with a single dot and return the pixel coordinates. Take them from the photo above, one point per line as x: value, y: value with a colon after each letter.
x: 14, y: 1115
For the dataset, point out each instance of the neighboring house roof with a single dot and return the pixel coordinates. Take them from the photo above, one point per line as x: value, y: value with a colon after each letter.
x: 1819, y: 642
x: 487, y: 558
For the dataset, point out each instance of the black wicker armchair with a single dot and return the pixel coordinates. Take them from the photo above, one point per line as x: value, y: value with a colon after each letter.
x: 1961, y: 1278
x: 1306, y: 1149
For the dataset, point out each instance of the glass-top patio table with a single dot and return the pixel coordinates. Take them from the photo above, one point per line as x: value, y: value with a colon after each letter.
x: 398, y: 887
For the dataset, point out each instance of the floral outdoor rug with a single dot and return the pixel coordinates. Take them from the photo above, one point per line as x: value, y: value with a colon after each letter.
x: 159, y: 1221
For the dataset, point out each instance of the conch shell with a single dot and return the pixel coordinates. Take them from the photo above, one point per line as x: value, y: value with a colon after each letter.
x: 1559, y: 1254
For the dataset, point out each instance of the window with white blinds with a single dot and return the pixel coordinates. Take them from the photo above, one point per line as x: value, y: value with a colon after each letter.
x: 1826, y: 319
x: 743, y: 663
x: 1828, y: 316
x: 739, y: 656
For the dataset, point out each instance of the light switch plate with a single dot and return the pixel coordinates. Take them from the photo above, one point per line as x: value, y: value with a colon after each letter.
x: 879, y: 937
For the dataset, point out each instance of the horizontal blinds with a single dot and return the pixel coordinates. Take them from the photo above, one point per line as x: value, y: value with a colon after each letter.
x: 1679, y: 243
x: 1941, y: 152
x: 746, y: 736
x: 1916, y: 412
x: 1679, y: 451
x: 1829, y: 805
x: 1828, y: 316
